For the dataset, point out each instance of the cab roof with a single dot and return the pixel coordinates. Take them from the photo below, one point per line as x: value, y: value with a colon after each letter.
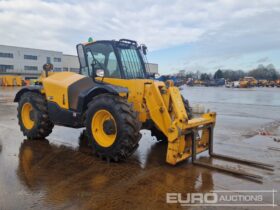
x: 121, y: 41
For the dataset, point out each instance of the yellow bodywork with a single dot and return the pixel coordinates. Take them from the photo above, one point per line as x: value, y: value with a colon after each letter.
x: 56, y: 86
x: 243, y: 83
x: 152, y: 100
x: 251, y: 80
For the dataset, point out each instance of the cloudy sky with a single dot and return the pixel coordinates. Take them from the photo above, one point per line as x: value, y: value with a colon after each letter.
x: 180, y: 34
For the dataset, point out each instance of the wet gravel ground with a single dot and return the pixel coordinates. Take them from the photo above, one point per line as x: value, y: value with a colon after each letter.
x: 60, y: 173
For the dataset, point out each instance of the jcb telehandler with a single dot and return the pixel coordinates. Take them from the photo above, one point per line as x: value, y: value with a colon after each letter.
x: 114, y: 97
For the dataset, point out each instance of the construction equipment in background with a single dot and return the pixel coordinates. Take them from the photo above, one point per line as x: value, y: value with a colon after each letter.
x: 114, y: 96
x: 198, y: 82
x: 247, y: 82
x: 268, y: 83
x: 215, y: 82
x: 277, y: 83
x: 190, y: 82
x: 177, y: 81
x: 251, y: 81
x: 271, y: 84
x: 234, y: 84
x: 243, y: 83
x: 228, y: 84
x: 262, y: 83
x: 10, y: 80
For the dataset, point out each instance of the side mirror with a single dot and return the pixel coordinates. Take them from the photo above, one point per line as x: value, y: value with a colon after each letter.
x: 81, y: 56
x: 47, y: 67
x: 144, y: 49
x: 154, y: 75
x: 100, y: 72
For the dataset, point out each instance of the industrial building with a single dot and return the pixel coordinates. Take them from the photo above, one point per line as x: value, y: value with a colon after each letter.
x: 28, y: 62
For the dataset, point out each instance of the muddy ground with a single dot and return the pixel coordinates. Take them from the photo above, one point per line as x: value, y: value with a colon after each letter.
x: 60, y: 173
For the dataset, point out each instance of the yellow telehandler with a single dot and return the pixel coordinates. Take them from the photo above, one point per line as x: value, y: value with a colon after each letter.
x: 115, y: 96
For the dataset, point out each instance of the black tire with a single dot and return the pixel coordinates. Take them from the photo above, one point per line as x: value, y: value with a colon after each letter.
x: 42, y: 124
x: 84, y: 140
x: 188, y: 108
x: 160, y: 135
x: 127, y: 123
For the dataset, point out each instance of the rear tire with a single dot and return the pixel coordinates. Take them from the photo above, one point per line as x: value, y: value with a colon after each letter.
x: 38, y: 124
x: 125, y: 129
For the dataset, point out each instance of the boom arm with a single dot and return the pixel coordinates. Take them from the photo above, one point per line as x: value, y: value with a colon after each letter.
x: 167, y: 111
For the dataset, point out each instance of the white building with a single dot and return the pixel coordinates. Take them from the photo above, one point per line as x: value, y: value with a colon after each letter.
x: 70, y: 63
x: 29, y: 62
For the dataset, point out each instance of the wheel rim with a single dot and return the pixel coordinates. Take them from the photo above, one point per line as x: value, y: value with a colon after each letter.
x: 103, y: 138
x: 25, y: 116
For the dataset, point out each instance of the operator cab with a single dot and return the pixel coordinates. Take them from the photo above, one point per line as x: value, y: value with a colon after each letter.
x: 121, y: 59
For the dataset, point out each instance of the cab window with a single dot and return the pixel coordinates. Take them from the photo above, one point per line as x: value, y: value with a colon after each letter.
x: 113, y: 66
x: 90, y: 59
x: 102, y: 56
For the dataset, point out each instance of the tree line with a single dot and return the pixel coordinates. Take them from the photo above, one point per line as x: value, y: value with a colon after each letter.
x: 268, y: 72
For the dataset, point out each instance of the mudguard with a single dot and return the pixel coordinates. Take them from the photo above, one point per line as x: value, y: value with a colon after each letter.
x: 74, y: 117
x: 86, y: 96
x: 32, y: 88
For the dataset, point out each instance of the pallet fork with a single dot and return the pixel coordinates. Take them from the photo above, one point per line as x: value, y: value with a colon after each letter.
x: 253, y: 177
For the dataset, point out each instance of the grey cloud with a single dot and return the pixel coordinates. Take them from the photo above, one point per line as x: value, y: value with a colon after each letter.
x: 261, y: 60
x: 216, y: 27
x: 245, y: 35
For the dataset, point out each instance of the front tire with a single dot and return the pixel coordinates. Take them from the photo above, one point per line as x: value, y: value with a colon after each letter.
x: 33, y: 117
x: 112, y: 127
x: 188, y: 108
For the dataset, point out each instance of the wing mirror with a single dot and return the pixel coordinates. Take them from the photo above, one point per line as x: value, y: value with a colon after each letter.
x: 100, y: 72
x: 81, y: 55
x: 47, y: 67
x: 154, y: 75
x: 144, y: 49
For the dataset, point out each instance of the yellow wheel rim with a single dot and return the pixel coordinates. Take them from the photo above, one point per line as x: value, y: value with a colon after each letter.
x: 97, y: 127
x: 25, y: 116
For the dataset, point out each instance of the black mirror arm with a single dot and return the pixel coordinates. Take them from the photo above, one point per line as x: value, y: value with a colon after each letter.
x: 47, y: 67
